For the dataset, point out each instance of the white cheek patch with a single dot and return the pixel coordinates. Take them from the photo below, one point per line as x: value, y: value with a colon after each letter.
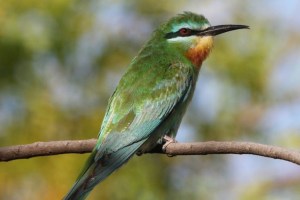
x: 179, y: 39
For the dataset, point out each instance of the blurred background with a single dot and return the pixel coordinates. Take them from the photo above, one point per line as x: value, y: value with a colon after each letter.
x: 60, y: 61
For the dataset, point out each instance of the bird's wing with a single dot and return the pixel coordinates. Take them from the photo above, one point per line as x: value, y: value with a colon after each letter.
x: 140, y: 103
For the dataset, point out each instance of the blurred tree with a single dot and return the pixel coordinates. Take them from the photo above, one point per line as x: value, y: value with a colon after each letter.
x: 60, y: 61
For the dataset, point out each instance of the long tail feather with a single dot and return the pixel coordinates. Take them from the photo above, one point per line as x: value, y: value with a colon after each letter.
x: 96, y: 171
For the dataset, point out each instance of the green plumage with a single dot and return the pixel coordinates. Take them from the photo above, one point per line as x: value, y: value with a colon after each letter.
x: 148, y: 103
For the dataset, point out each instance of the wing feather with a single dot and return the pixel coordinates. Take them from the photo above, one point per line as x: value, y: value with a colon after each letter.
x: 137, y: 109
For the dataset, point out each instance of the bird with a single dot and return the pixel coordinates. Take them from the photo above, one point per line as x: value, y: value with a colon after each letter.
x: 151, y: 98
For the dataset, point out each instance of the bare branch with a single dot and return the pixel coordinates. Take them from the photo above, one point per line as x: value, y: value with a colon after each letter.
x: 198, y: 148
x: 46, y: 149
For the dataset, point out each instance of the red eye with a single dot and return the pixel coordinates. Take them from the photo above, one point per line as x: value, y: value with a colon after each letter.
x: 185, y: 32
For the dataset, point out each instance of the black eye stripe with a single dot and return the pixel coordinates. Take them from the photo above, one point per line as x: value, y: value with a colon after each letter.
x: 177, y: 34
x: 171, y: 35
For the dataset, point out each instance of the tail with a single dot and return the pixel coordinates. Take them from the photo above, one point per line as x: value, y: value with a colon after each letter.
x: 96, y: 171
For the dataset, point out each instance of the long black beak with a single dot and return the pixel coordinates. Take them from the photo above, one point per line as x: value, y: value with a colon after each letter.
x: 216, y: 30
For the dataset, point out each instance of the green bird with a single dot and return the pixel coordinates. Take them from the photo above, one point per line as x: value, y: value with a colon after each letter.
x: 152, y: 96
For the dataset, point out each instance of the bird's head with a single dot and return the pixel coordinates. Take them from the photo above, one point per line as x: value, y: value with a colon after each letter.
x: 192, y: 35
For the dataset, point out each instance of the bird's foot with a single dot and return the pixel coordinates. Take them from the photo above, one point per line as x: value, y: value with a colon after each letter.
x: 168, y: 140
x: 139, y: 153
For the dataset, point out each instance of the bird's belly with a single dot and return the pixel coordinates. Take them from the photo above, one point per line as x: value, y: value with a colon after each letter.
x: 168, y: 127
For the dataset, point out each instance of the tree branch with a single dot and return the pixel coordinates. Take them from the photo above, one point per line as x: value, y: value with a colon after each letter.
x: 198, y: 148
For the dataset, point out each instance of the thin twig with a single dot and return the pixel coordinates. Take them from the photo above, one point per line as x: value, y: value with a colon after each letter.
x: 198, y: 148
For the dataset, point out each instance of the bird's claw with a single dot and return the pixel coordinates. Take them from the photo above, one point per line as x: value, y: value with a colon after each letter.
x: 168, y: 140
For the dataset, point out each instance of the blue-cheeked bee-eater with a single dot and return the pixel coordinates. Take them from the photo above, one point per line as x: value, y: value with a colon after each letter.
x: 152, y: 96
